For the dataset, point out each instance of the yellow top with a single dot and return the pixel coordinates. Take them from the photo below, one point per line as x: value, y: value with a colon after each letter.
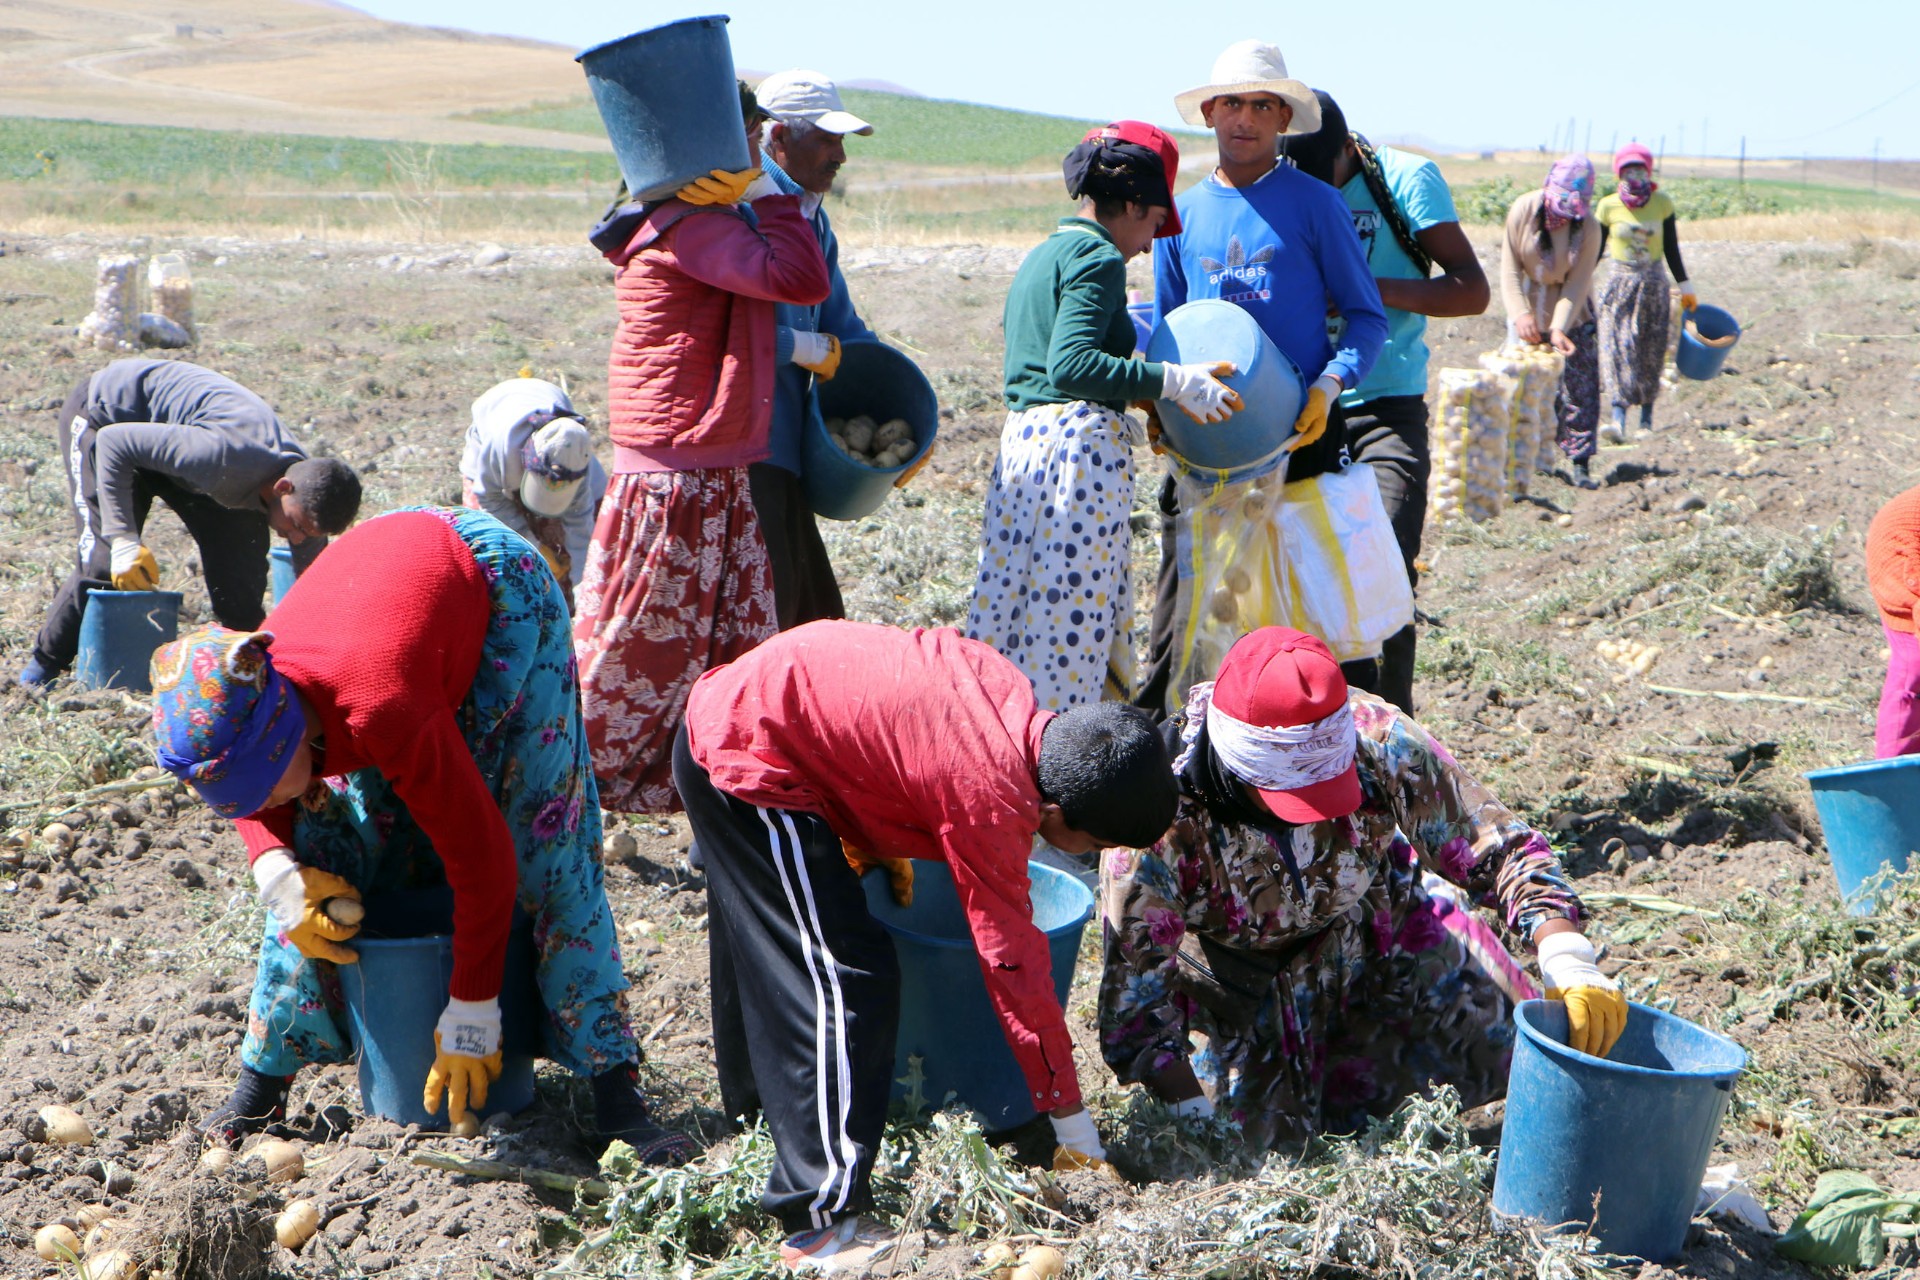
x: 1634, y: 236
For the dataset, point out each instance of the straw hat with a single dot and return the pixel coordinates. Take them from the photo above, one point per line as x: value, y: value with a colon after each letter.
x: 1253, y: 67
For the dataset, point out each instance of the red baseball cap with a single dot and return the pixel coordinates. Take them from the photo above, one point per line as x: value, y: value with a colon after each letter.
x: 1275, y: 678
x: 1157, y: 140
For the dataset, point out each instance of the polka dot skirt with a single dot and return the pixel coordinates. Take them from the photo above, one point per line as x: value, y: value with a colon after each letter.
x: 1053, y: 593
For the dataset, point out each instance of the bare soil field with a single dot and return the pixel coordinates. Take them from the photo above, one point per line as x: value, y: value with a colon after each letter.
x: 1729, y: 537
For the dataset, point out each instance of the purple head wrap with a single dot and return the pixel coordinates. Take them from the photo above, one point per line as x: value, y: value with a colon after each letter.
x: 1569, y: 188
x: 225, y: 721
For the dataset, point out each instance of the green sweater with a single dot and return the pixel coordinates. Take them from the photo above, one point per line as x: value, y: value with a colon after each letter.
x: 1068, y: 333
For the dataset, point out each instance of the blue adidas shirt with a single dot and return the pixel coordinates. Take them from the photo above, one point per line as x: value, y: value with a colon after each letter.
x: 1417, y: 187
x: 1285, y: 250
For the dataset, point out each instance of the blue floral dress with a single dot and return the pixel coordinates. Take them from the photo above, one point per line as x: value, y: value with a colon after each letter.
x: 522, y: 721
x: 1318, y: 975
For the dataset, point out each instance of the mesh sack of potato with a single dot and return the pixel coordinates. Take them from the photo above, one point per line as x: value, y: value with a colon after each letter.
x: 1542, y: 387
x: 113, y: 324
x: 884, y: 445
x: 172, y: 286
x: 1469, y: 447
x: 1523, y: 428
x: 1232, y: 575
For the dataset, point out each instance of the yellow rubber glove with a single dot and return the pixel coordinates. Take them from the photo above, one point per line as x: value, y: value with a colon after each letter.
x: 463, y: 1072
x: 820, y: 354
x: 1596, y: 1011
x: 1312, y: 422
x: 134, y: 568
x: 1067, y: 1160
x: 899, y: 871
x: 719, y: 187
x: 1151, y: 410
x: 297, y: 897
x: 1689, y: 300
x: 554, y: 563
x: 914, y: 470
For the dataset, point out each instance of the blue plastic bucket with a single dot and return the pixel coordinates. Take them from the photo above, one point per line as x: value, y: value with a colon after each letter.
x: 884, y: 384
x: 670, y: 103
x: 392, y: 1028
x: 946, y: 1019
x: 280, y: 563
x: 1699, y: 360
x: 1209, y: 331
x: 1619, y: 1142
x: 1870, y: 814
x: 118, y: 634
x: 1141, y: 313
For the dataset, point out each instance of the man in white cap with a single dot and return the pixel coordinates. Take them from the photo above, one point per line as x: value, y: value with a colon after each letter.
x: 803, y: 146
x: 529, y: 463
x: 1281, y: 246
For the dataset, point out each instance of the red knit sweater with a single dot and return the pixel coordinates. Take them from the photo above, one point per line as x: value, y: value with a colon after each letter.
x: 382, y: 637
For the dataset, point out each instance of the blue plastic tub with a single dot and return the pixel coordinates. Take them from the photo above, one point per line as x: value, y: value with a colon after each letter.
x: 1249, y: 443
x: 670, y: 103
x: 1619, y: 1142
x: 1870, y: 814
x: 945, y: 1018
x: 884, y: 384
x: 118, y: 634
x: 392, y: 1028
x: 280, y: 565
x: 1141, y: 313
x: 1696, y: 359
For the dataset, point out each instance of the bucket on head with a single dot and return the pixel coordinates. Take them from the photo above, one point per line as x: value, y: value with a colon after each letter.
x: 1621, y: 1142
x: 118, y: 634
x: 1270, y: 386
x: 395, y: 996
x: 946, y: 1019
x: 1707, y: 334
x: 280, y: 565
x: 1870, y: 815
x: 882, y: 383
x: 671, y: 105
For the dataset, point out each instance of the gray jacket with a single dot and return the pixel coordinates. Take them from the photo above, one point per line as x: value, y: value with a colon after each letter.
x: 201, y: 429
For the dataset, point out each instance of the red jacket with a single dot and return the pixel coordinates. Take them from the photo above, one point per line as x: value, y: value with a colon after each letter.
x: 919, y: 744
x: 690, y: 378
x: 382, y: 637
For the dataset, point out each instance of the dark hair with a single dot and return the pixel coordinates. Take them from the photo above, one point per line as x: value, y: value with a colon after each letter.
x: 329, y: 490
x: 1106, y: 768
x: 750, y: 112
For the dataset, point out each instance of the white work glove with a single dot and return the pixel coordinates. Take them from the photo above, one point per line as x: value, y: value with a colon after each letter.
x: 1197, y: 389
x: 297, y: 896
x: 1689, y: 295
x: 470, y: 1028
x: 1077, y: 1134
x: 762, y: 186
x: 1596, y: 1011
x: 1198, y: 1107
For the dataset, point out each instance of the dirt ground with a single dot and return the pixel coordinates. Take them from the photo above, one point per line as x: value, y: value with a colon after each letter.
x: 1729, y: 537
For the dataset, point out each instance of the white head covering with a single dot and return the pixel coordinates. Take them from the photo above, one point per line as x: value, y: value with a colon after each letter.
x: 1253, y: 66
x: 509, y: 417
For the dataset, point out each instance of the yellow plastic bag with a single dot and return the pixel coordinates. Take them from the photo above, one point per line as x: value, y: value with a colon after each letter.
x: 1345, y: 579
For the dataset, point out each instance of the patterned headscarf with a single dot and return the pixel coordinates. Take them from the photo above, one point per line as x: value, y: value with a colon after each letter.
x: 1569, y: 190
x: 224, y: 719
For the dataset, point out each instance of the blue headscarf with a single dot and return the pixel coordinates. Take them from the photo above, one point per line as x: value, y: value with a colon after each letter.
x: 225, y: 721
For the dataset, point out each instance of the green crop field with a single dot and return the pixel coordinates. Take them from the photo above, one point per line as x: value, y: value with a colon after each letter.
x: 906, y: 130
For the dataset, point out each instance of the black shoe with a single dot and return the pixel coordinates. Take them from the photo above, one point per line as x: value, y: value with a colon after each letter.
x: 257, y: 1101
x: 1583, y: 475
x: 695, y: 862
x: 620, y: 1114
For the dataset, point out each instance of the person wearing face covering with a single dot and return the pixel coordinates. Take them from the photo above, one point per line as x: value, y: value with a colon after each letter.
x: 1301, y: 952
x: 1547, y: 259
x: 1643, y: 243
x: 1424, y: 266
x: 1054, y: 594
x: 529, y: 463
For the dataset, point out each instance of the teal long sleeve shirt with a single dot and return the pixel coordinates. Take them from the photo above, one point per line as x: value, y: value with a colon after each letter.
x: 1068, y: 334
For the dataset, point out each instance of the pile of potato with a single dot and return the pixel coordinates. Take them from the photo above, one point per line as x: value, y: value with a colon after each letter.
x: 884, y: 445
x: 1470, y: 446
x: 1633, y: 657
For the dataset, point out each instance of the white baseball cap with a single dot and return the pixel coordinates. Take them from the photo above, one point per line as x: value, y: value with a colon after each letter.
x: 793, y: 95
x: 556, y: 458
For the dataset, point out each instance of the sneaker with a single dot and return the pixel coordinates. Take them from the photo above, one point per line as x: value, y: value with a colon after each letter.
x: 257, y: 1101
x: 848, y: 1247
x: 620, y: 1113
x: 1614, y: 432
x: 1583, y: 475
x: 33, y: 675
x: 695, y: 862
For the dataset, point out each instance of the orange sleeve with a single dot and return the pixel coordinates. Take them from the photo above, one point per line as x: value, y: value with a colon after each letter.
x: 1893, y: 560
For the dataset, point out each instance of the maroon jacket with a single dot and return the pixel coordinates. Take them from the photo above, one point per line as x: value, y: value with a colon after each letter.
x: 690, y: 378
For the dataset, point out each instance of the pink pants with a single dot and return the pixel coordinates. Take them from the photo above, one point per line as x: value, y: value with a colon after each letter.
x: 1897, y: 732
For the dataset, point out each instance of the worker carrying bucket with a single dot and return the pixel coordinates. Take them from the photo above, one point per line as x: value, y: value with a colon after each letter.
x: 412, y: 720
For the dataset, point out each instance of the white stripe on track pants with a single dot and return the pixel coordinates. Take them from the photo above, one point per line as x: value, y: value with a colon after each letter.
x: 806, y: 996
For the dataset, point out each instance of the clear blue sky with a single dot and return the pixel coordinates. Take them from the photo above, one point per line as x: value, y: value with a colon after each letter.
x: 1790, y: 76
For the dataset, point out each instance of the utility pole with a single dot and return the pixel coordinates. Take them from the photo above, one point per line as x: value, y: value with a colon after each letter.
x: 1743, y: 162
x: 1876, y: 164
x: 1589, y: 146
x: 1703, y: 137
x: 1803, y: 170
x: 1680, y: 147
x: 1660, y: 153
x: 1613, y: 143
x: 1570, y: 124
